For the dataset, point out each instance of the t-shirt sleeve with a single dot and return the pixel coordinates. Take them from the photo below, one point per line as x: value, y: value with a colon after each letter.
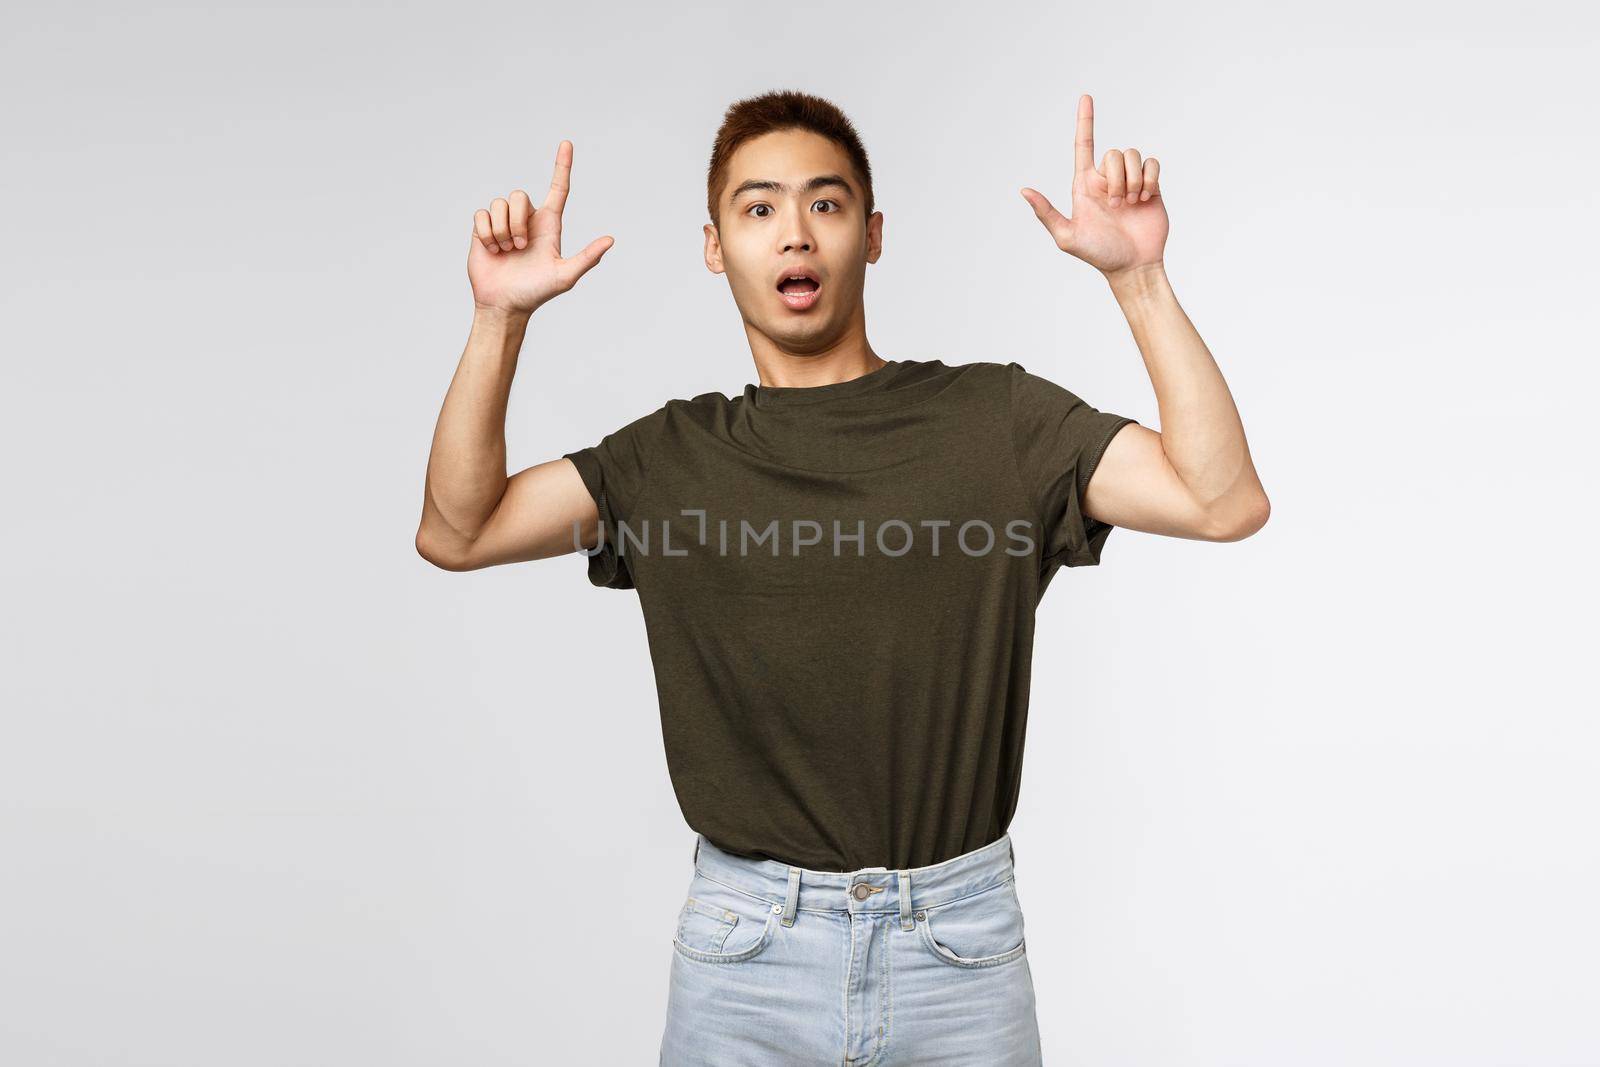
x: 1058, y: 440
x: 615, y: 473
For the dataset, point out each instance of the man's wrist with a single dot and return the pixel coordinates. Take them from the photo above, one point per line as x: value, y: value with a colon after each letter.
x: 1141, y: 284
x: 500, y: 317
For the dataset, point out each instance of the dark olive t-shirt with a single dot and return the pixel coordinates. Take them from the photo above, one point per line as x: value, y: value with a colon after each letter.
x: 838, y: 585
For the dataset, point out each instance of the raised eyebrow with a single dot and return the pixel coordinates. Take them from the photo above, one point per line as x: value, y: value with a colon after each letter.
x: 821, y: 181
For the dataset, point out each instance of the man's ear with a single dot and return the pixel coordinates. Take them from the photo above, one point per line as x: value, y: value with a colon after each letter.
x: 713, y: 249
x: 874, y: 236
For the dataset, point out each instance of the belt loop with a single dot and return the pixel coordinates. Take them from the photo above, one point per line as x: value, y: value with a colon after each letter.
x: 905, y: 900
x: 791, y: 898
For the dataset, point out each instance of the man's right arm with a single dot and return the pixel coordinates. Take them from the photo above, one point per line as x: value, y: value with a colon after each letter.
x: 473, y: 515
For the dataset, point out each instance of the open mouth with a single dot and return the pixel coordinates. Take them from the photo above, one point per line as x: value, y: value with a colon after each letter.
x: 799, y: 292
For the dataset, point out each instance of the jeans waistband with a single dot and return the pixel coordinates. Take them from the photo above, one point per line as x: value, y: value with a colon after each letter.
x: 798, y: 889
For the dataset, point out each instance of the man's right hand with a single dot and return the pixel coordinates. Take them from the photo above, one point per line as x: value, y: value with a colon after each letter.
x: 514, y: 262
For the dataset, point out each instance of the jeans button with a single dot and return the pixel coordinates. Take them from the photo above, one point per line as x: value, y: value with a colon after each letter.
x: 861, y: 890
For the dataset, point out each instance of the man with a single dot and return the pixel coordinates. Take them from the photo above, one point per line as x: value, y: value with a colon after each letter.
x: 839, y: 570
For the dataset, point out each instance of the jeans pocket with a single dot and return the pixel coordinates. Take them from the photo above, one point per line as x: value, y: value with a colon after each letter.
x: 720, y: 924
x: 981, y: 930
x: 704, y: 926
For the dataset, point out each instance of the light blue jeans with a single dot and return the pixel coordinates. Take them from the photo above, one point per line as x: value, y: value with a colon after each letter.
x: 775, y: 965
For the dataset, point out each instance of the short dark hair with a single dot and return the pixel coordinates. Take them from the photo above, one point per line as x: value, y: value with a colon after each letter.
x: 782, y: 109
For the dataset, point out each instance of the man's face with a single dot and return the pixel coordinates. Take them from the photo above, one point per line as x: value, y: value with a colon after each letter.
x: 792, y: 203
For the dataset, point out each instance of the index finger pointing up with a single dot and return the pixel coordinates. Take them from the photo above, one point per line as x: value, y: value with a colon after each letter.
x: 562, y: 181
x: 1084, y: 140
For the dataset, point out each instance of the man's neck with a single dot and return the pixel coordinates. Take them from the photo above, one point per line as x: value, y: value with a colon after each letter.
x: 778, y: 369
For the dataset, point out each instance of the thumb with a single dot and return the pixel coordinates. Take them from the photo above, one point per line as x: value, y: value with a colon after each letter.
x: 1059, y: 225
x: 581, y: 262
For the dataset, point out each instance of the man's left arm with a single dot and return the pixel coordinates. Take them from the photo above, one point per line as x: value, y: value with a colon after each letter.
x: 1195, y: 477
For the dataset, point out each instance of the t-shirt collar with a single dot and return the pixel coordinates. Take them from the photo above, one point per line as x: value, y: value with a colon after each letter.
x: 771, y: 396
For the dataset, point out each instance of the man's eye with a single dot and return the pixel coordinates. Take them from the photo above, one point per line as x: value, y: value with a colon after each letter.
x: 833, y: 208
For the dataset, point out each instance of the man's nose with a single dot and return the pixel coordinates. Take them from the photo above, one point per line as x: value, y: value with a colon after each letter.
x: 797, y: 235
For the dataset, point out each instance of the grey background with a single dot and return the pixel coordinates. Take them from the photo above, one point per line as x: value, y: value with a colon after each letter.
x: 275, y: 791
